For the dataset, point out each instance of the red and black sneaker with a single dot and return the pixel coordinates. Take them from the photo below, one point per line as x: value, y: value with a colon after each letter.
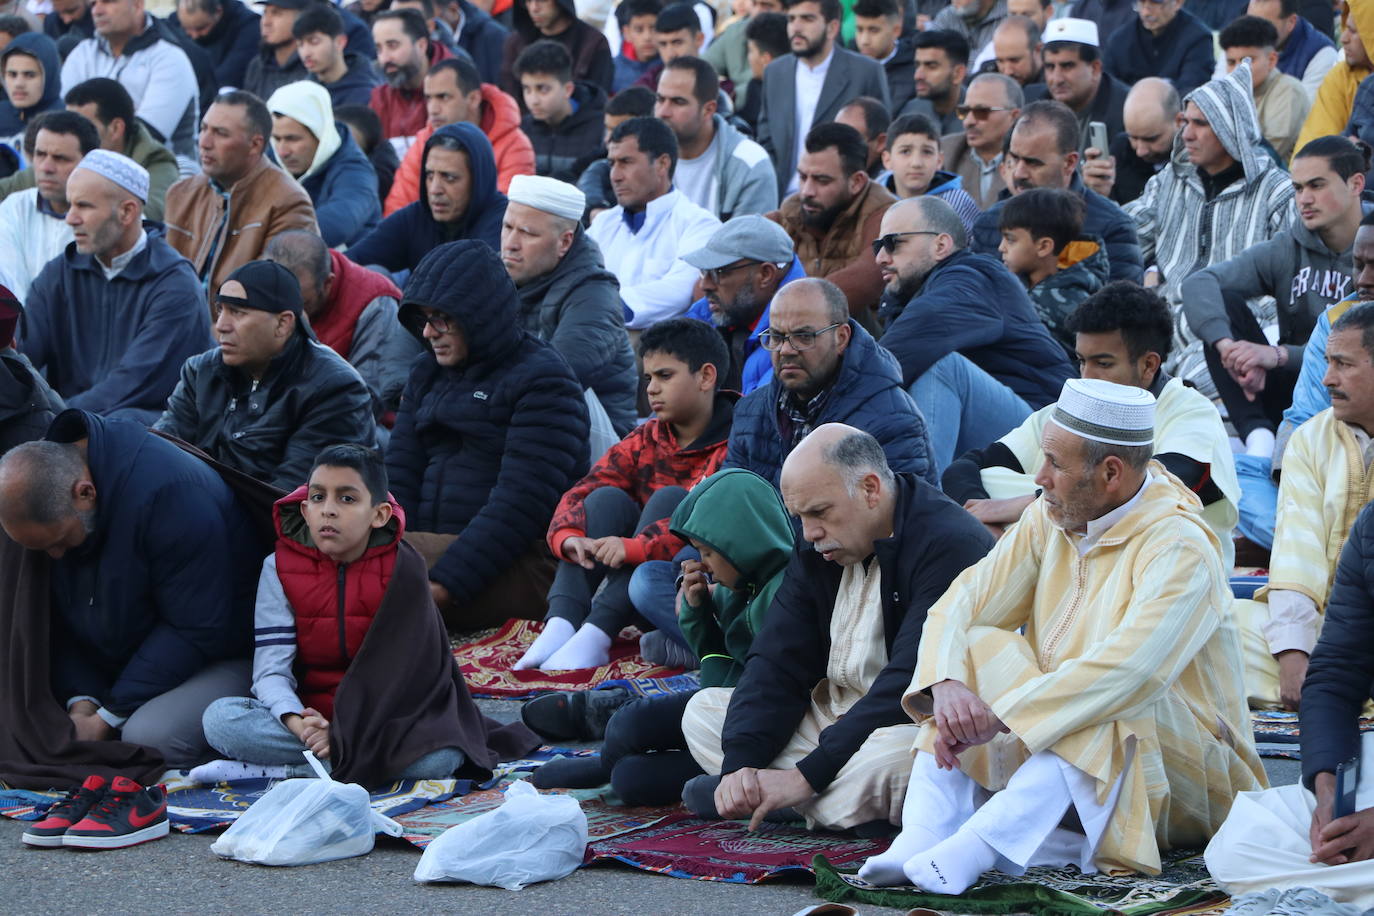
x: 127, y: 815
x: 49, y: 831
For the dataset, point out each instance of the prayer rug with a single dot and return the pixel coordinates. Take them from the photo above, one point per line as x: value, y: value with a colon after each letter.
x: 1183, y: 888
x: 1277, y: 733
x: 487, y: 662
x: 683, y: 846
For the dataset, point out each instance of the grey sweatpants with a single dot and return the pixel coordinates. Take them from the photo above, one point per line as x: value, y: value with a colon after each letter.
x: 171, y: 723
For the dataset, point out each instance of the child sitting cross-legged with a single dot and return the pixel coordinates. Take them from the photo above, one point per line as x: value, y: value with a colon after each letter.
x: 616, y: 517
x: 1042, y: 244
x: 352, y: 660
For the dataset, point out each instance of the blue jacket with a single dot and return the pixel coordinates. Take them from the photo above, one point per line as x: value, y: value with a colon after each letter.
x: 115, y: 347
x: 484, y: 450
x: 356, y: 85
x: 483, y: 38
x: 758, y: 365
x: 971, y: 304
x: 14, y: 121
x: 1302, y: 45
x: 1102, y: 218
x: 1183, y: 55
x: 344, y: 193
x: 867, y: 394
x: 164, y: 585
x: 407, y: 235
x: 231, y: 44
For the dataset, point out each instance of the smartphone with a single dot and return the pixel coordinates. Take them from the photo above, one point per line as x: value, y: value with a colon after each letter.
x: 1347, y: 779
x: 1097, y: 136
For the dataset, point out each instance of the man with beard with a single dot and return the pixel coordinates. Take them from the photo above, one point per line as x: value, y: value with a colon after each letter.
x: 1017, y: 50
x: 1073, y: 75
x: 974, y: 355
x: 1150, y: 117
x: 834, y: 216
x: 743, y: 265
x: 991, y: 106
x: 405, y: 54
x: 320, y: 40
x: 941, y: 64
x: 277, y: 62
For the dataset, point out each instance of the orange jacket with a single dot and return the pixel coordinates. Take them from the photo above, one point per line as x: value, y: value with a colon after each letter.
x: 501, y: 124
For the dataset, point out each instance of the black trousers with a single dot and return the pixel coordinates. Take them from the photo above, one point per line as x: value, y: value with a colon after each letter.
x: 645, y: 753
x: 1266, y: 411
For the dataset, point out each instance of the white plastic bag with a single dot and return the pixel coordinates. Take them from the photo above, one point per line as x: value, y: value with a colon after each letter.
x: 304, y: 821
x: 530, y: 838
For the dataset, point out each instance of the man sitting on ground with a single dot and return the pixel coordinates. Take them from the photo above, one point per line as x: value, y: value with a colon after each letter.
x: 27, y: 403
x: 270, y: 396
x: 405, y: 52
x: 111, y: 320
x: 320, y: 40
x: 1281, y: 102
x: 33, y: 224
x: 991, y: 106
x: 108, y: 106
x: 815, y: 721
x: 974, y: 355
x: 1089, y: 665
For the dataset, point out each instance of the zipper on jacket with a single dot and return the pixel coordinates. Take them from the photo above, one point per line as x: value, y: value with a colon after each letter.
x: 343, y: 637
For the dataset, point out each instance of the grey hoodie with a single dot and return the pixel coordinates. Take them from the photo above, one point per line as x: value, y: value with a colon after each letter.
x: 745, y: 182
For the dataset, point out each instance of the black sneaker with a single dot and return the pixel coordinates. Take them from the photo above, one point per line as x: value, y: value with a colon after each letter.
x: 126, y: 815
x: 579, y: 715
x: 64, y: 813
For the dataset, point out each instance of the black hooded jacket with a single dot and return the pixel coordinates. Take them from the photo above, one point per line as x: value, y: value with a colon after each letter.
x: 560, y: 149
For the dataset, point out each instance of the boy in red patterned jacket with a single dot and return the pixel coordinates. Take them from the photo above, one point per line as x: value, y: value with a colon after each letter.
x: 616, y: 517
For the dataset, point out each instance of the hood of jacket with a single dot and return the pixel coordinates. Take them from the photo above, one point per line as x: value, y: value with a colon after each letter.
x: 1229, y: 105
x: 740, y: 516
x: 293, y: 530
x: 581, y: 264
x: 309, y: 104
x: 44, y: 50
x: 500, y: 114
x: 589, y: 105
x: 944, y: 181
x: 466, y: 281
x: 525, y: 26
x: 482, y: 165
x: 1083, y: 265
x: 113, y: 447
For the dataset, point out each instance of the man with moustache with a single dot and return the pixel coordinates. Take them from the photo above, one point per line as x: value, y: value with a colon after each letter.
x: 1074, y: 76
x: 991, y: 106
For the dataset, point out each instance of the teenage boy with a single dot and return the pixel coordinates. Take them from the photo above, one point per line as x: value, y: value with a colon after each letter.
x: 915, y: 165
x: 320, y: 41
x: 616, y: 517
x: 564, y: 119
x: 1041, y: 244
x: 765, y: 40
x: 343, y: 604
x: 636, y: 19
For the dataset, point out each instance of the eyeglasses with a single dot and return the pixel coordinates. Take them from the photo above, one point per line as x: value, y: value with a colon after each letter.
x: 438, y: 321
x: 890, y: 241
x: 715, y: 273
x: 800, y: 340
x: 979, y: 112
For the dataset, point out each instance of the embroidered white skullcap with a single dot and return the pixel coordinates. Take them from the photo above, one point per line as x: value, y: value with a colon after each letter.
x: 547, y: 194
x: 1082, y: 31
x: 118, y: 168
x: 1106, y: 412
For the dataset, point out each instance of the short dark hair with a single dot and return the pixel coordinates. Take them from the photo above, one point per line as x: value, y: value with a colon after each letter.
x: 912, y: 124
x: 705, y: 81
x: 678, y: 16
x: 1359, y: 318
x: 318, y: 17
x: 110, y: 98
x: 1288, y: 8
x: 412, y: 22
x: 690, y: 340
x: 365, y: 121
x: 655, y: 138
x: 1346, y: 156
x: 877, y: 9
x: 876, y: 115
x: 1053, y: 213
x: 1086, y: 53
x: 254, y: 111
x: 1143, y: 319
x: 769, y: 32
x: 545, y: 57
x: 14, y: 25
x: 635, y: 101
x: 847, y: 141
x: 951, y: 42
x: 71, y: 124
x: 464, y: 73
x: 1249, y: 32
x: 1058, y: 116
x: 367, y: 462
x: 631, y: 9
x: 830, y: 9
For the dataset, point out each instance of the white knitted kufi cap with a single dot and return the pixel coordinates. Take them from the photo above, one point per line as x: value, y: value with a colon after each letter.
x: 547, y: 194
x: 118, y: 168
x: 1106, y: 412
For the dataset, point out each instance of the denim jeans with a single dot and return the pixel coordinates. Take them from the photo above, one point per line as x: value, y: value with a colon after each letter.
x: 964, y: 407
x: 1259, y: 499
x: 653, y: 592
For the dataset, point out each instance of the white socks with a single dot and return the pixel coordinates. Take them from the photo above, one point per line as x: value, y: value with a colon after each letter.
x: 589, y: 647
x: 889, y: 868
x: 1260, y: 443
x: 217, y: 771
x: 556, y: 632
x: 937, y: 804
x: 953, y: 866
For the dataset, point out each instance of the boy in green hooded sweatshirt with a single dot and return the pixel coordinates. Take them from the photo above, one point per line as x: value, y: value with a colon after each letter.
x: 737, y: 521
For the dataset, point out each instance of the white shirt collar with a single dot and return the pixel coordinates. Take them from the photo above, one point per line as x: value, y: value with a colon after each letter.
x: 121, y: 261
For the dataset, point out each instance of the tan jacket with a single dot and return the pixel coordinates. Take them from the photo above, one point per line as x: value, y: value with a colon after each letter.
x: 843, y: 255
x: 960, y: 160
x: 261, y: 204
x: 1281, y: 103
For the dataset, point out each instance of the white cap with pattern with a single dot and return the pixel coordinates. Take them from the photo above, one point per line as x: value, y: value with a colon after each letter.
x: 1106, y: 412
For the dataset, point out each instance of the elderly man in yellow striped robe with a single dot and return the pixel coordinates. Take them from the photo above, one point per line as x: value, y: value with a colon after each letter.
x: 1086, y: 673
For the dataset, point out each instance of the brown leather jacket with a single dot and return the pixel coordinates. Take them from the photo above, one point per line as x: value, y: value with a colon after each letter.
x: 843, y: 255
x: 261, y: 204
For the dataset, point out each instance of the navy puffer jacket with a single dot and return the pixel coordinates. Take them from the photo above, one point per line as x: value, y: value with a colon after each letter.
x: 486, y: 449
x: 867, y: 395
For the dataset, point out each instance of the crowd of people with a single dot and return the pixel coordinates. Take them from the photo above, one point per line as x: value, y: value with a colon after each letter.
x: 917, y: 372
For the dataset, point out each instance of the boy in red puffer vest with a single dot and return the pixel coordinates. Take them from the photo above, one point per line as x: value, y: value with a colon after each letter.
x: 343, y: 608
